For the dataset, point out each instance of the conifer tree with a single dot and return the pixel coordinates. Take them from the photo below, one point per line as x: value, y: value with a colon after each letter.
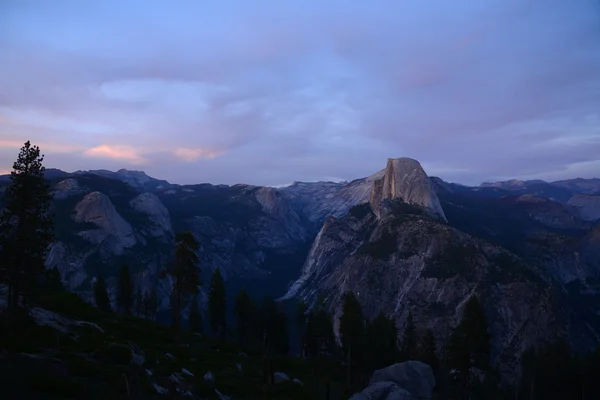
x: 217, y: 305
x: 409, y: 343
x: 469, y: 346
x: 195, y: 318
x: 301, y: 315
x: 101, y: 295
x: 352, y: 333
x: 185, y: 273
x: 152, y: 303
x: 382, y: 339
x: 124, y: 291
x: 428, y: 350
x: 281, y: 339
x: 243, y: 309
x: 26, y: 229
x: 139, y: 302
x: 52, y: 280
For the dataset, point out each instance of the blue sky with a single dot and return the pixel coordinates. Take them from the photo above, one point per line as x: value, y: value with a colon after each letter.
x: 268, y: 92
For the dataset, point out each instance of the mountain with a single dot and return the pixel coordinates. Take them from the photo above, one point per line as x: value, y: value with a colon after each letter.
x: 104, y: 220
x: 402, y: 241
x: 137, y: 179
x: 532, y: 261
x: 560, y: 191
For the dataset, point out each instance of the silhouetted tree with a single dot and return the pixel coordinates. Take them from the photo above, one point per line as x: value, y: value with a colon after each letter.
x: 320, y: 339
x: 382, y: 339
x: 301, y: 315
x: 101, y: 294
x: 52, y: 280
x: 428, y: 351
x: 352, y: 334
x: 185, y: 272
x: 139, y: 302
x: 469, y: 347
x: 243, y: 310
x: 124, y: 291
x: 195, y: 318
x: 26, y: 229
x: 217, y: 305
x: 409, y: 345
x: 152, y: 303
x: 274, y: 323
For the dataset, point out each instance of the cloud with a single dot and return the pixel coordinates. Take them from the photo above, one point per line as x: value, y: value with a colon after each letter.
x: 276, y: 92
x: 190, y: 155
x: 124, y: 153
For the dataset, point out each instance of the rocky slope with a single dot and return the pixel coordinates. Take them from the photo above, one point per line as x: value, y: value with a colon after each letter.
x: 250, y: 233
x: 533, y: 262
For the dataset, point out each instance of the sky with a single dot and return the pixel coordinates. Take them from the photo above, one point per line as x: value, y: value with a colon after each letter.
x: 270, y: 92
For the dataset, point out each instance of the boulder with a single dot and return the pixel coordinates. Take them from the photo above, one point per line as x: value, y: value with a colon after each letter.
x: 383, y: 391
x: 414, y: 376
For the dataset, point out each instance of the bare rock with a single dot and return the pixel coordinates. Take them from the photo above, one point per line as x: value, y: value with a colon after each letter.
x: 150, y: 204
x: 96, y: 208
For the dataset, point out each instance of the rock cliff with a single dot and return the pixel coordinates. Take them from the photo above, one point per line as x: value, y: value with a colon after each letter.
x: 97, y: 208
x: 405, y: 179
x: 408, y: 261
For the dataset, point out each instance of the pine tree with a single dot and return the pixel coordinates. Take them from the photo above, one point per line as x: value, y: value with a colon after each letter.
x: 26, y: 229
x: 281, y: 339
x: 428, y: 351
x: 243, y: 309
x: 382, y: 339
x: 52, y: 280
x: 352, y: 334
x: 301, y: 315
x: 101, y: 294
x: 195, y: 318
x: 152, y: 303
x: 217, y: 305
x: 139, y: 302
x: 124, y: 291
x: 408, y: 349
x: 469, y: 346
x: 185, y: 272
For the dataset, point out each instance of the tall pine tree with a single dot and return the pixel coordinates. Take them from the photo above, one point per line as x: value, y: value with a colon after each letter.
x: 243, y: 310
x: 382, y: 339
x: 152, y: 303
x: 124, y: 291
x: 185, y: 272
x: 409, y: 349
x: 101, y: 295
x: 195, y: 318
x: 352, y: 334
x: 217, y: 305
x: 301, y: 315
x: 428, y: 351
x: 469, y: 347
x: 26, y: 229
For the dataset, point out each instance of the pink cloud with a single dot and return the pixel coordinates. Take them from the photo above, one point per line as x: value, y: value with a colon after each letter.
x: 190, y: 155
x: 125, y: 153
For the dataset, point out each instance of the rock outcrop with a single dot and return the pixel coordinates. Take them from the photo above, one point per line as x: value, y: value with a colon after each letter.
x: 405, y: 179
x: 97, y: 208
x: 411, y: 380
x: 404, y: 262
x: 150, y: 204
x: 587, y: 205
x: 66, y: 188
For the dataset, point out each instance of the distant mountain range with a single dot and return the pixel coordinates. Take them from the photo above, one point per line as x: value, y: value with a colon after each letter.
x: 400, y: 240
